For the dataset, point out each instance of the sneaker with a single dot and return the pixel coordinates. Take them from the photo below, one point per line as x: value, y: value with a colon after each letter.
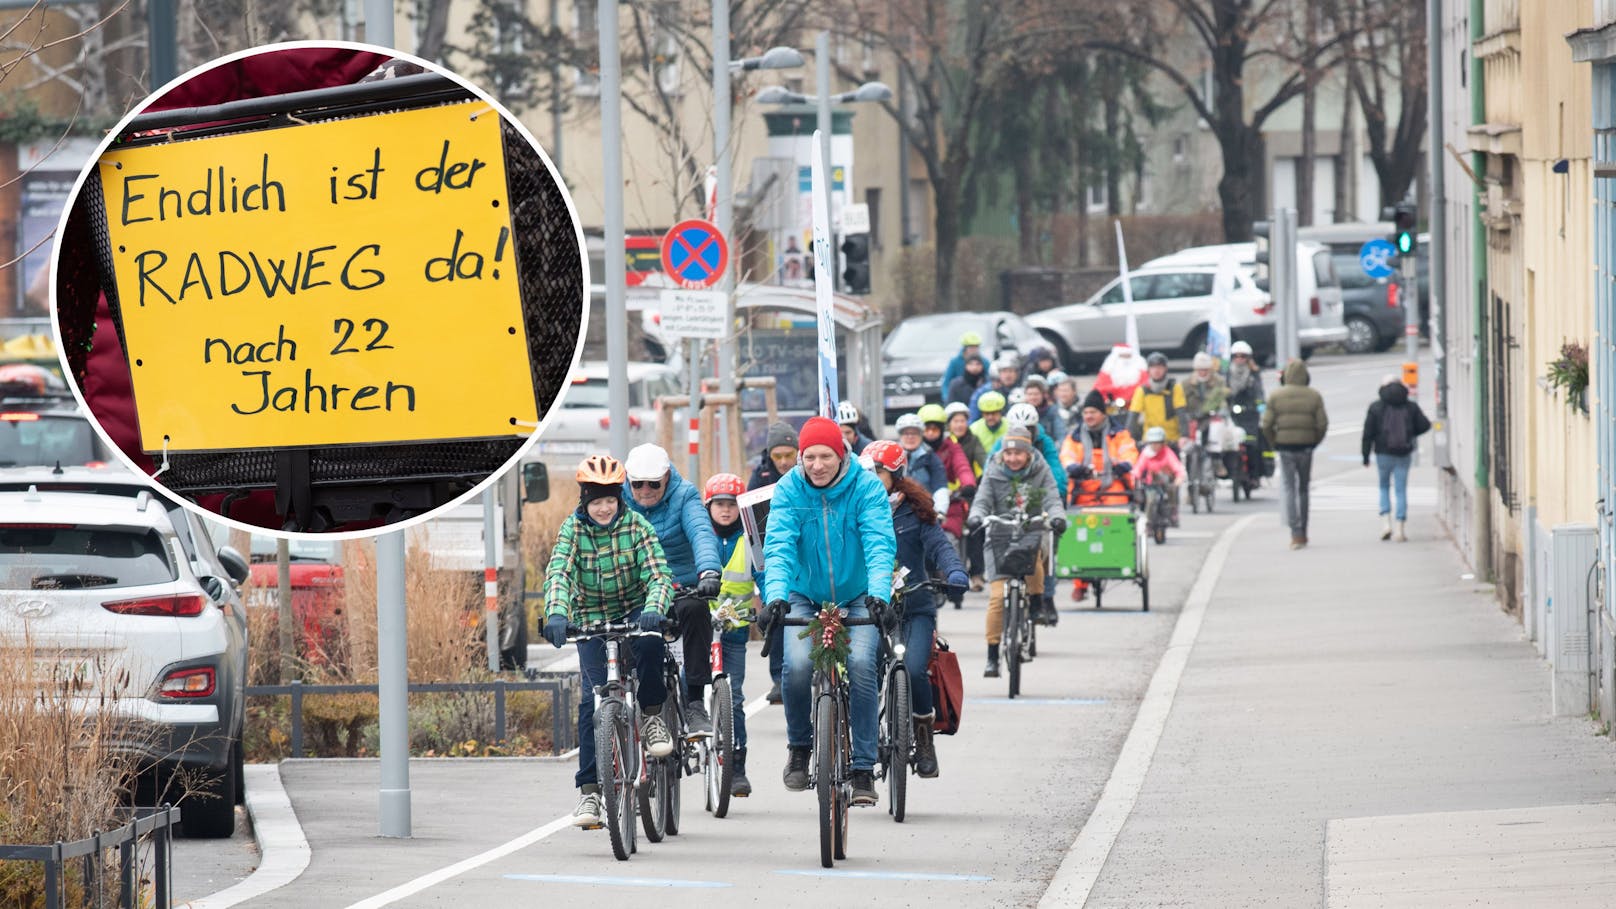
x: 864, y: 793
x: 587, y: 814
x: 796, y: 775
x: 739, y: 786
x: 654, y: 733
x: 697, y: 724
x: 774, y: 696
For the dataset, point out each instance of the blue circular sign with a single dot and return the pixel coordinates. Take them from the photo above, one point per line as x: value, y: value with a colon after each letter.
x: 1375, y: 258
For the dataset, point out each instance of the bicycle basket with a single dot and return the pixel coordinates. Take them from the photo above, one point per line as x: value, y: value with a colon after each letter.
x: 1015, y: 561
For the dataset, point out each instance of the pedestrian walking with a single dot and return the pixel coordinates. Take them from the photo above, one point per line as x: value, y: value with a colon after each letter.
x: 1295, y: 423
x: 1390, y: 429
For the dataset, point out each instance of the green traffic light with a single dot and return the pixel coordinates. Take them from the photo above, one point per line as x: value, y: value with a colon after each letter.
x: 1405, y: 242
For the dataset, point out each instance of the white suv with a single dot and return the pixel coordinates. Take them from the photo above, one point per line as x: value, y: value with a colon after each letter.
x: 103, y: 585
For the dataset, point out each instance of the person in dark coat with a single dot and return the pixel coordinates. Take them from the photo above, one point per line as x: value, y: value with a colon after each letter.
x: 1390, y: 429
x: 779, y: 455
x: 963, y: 388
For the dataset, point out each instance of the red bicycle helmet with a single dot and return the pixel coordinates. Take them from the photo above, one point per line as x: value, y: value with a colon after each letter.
x: 885, y: 454
x: 722, y: 486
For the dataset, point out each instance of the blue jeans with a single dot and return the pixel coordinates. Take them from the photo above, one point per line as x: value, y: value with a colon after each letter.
x: 798, y: 693
x: 1394, y: 469
x: 917, y: 635
x: 649, y: 654
x: 734, y: 641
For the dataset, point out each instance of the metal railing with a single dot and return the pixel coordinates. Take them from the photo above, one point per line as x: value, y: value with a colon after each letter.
x: 560, y: 703
x: 157, y: 822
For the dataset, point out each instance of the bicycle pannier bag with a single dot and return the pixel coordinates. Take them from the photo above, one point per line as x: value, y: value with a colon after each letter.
x: 947, y: 687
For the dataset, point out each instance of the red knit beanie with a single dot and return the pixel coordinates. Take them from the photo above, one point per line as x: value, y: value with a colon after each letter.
x: 821, y: 431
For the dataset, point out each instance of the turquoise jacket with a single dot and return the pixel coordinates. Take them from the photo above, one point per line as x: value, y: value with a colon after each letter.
x: 830, y: 545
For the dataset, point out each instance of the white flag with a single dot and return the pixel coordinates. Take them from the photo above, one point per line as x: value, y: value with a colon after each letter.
x: 1132, y: 336
x: 824, y: 290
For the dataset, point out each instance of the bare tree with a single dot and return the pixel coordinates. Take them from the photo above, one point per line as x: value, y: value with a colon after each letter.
x: 1386, y: 67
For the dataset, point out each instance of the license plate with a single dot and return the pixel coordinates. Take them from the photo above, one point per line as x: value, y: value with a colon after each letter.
x: 900, y: 401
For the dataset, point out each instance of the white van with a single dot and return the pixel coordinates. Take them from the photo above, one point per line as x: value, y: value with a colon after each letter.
x: 1319, y: 308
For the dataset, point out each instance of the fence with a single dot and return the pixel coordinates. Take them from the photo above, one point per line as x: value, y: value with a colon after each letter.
x: 92, y: 851
x: 560, y: 703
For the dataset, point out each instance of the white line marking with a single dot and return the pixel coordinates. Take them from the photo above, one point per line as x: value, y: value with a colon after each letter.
x: 434, y: 878
x: 283, y: 850
x: 1075, y: 879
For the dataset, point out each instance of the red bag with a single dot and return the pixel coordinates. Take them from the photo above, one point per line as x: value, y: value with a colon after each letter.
x: 947, y: 687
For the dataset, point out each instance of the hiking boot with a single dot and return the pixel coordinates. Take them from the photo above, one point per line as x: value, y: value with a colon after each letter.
x: 654, y: 732
x: 1385, y: 527
x: 1046, y: 613
x: 698, y: 725
x: 739, y: 786
x: 992, y: 670
x: 796, y: 775
x: 925, y: 748
x: 864, y: 794
x: 774, y: 696
x: 587, y: 814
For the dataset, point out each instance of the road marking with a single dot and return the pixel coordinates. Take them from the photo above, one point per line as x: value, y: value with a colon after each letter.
x: 1037, y: 702
x: 1342, y: 431
x: 1078, y: 872
x: 434, y: 878
x: 885, y: 875
x: 615, y: 881
x: 282, y: 848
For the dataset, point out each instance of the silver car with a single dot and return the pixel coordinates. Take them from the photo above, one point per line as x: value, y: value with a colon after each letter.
x: 1319, y: 308
x: 581, y: 425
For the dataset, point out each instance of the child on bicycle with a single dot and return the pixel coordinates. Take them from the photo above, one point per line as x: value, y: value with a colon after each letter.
x: 923, y: 548
x: 1158, y: 458
x: 607, y: 566
x: 1016, y: 477
x: 719, y: 495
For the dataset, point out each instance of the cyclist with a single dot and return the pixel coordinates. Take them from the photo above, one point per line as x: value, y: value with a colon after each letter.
x: 1006, y: 378
x: 1158, y: 402
x: 607, y: 565
x: 925, y: 467
x: 737, y: 584
x: 1036, y: 392
x: 1024, y: 417
x: 971, y: 378
x: 1063, y: 389
x: 855, y: 433
x: 1098, y: 459
x: 970, y: 347
x: 1158, y: 457
x: 959, y: 429
x: 990, y: 428
x: 779, y: 456
x: 1119, y: 375
x: 924, y: 549
x: 1041, y: 362
x: 1246, y: 403
x: 1015, y: 477
x: 829, y: 540
x: 961, y: 474
x: 673, y: 506
x: 1204, y: 391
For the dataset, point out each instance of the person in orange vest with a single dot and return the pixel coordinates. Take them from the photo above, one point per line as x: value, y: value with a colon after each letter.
x: 1099, y: 460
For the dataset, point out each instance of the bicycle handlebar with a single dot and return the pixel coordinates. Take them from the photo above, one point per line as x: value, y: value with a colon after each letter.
x: 576, y: 633
x: 789, y: 622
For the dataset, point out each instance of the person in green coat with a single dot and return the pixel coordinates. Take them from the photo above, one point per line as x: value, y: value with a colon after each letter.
x: 1295, y: 424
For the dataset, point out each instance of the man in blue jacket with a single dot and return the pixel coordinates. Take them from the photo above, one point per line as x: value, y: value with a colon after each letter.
x: 673, y: 506
x: 970, y: 346
x: 830, y: 540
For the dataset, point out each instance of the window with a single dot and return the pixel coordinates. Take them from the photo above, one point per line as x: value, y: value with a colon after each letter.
x: 1181, y: 149
x: 1324, y: 274
x: 586, y: 40
x: 1097, y: 198
x: 1350, y: 271
x: 74, y: 558
x: 1139, y: 284
x: 1181, y: 286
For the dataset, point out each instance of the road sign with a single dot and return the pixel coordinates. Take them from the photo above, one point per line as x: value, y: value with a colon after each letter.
x: 1375, y: 258
x: 694, y: 254
x: 855, y: 219
x: 693, y: 313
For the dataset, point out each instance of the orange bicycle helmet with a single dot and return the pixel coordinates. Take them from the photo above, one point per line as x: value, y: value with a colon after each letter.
x: 601, y: 470
x: 722, y: 486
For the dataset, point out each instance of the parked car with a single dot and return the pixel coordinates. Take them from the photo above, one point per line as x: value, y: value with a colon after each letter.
x: 41, y: 424
x: 916, y: 352
x: 580, y: 426
x: 105, y: 575
x: 1318, y: 289
x: 316, y: 581
x: 1172, y: 305
x: 1374, y: 311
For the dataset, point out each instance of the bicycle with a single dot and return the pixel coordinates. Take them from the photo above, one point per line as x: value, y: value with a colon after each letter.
x: 689, y: 754
x: 623, y: 768
x: 718, y: 752
x: 1158, y: 504
x: 1014, y: 562
x: 830, y: 770
x: 1201, y: 452
x: 896, y: 747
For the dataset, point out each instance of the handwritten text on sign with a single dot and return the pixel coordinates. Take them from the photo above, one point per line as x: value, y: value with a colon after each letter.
x: 342, y: 282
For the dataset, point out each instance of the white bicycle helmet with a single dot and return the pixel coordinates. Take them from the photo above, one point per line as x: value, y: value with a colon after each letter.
x: 1155, y: 434
x: 1022, y: 414
x: 847, y: 414
x: 1007, y: 360
x: 1016, y: 396
x: 1240, y: 347
x: 910, y: 421
x: 647, y: 462
x: 957, y: 407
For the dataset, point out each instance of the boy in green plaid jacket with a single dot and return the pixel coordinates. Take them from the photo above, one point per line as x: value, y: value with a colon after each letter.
x: 607, y: 566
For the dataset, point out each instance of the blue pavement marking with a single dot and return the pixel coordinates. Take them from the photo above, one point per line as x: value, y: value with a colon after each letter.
x: 615, y: 881
x: 1039, y: 702
x: 887, y: 875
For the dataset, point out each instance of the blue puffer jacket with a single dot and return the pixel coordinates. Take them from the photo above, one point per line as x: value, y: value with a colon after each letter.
x: 831, y: 544
x: 683, y: 529
x: 926, y: 469
x: 922, y: 548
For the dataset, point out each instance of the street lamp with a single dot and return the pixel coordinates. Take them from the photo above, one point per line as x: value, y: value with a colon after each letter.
x: 773, y: 58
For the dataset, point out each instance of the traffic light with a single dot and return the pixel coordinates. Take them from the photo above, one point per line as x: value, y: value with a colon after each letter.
x: 1403, y: 218
x: 856, y: 263
x: 1261, y: 234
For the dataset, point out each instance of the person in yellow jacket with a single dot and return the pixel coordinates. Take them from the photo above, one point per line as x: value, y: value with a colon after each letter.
x: 1159, y: 402
x: 737, y: 586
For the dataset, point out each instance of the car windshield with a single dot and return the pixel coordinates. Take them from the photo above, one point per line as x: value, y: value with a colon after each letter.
x: 928, y: 337
x: 41, y: 440
x: 263, y: 549
x: 49, y: 557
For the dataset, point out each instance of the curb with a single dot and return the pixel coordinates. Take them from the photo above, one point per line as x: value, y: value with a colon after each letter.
x: 282, y: 849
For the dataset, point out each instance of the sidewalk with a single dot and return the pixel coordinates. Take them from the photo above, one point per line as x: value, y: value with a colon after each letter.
x: 1359, y: 725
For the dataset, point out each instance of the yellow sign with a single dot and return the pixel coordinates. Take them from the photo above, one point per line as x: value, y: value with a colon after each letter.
x: 336, y: 283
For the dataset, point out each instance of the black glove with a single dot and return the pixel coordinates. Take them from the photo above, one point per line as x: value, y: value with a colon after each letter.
x: 968, y: 493
x: 707, y: 585
x: 774, y: 612
x: 555, y: 630
x: 1121, y: 469
x: 651, y: 621
x: 1080, y: 472
x: 883, y: 613
x: 974, y: 522
x: 1058, y: 525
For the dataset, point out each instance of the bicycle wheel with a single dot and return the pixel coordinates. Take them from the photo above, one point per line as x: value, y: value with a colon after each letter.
x: 825, y: 765
x: 720, y: 762
x: 844, y: 771
x: 1012, y: 636
x: 653, y: 813
x: 674, y: 775
x: 900, y: 724
x: 614, y: 770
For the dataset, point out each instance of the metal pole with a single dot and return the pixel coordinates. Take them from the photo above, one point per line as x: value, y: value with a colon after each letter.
x: 555, y: 92
x: 1439, y: 223
x: 1411, y: 304
x: 286, y: 628
x: 724, y: 213
x: 822, y: 78
x: 392, y: 681
x: 491, y: 575
x: 694, y: 413
x: 162, y: 52
x: 904, y: 113
x: 379, y: 22
x: 611, y: 130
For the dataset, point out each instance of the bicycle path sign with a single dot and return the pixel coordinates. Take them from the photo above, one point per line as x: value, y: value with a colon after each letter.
x: 694, y: 254
x: 1375, y: 258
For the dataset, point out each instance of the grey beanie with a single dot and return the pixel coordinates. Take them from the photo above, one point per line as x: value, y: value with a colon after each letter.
x: 779, y: 434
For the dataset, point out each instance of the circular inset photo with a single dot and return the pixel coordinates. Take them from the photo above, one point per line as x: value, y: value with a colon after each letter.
x: 320, y: 287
